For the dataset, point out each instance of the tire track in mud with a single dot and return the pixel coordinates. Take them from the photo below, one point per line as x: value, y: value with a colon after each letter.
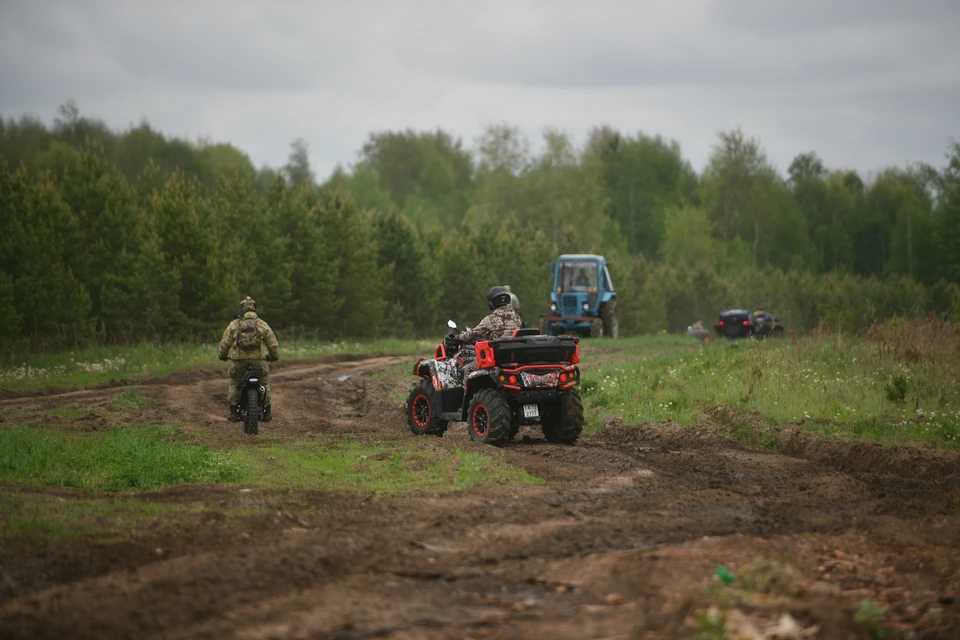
x: 645, y: 511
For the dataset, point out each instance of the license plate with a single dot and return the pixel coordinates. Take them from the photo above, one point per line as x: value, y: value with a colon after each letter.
x: 531, y: 411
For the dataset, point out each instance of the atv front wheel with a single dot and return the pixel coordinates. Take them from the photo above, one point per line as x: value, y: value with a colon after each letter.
x: 423, y: 412
x: 564, y: 423
x: 489, y: 419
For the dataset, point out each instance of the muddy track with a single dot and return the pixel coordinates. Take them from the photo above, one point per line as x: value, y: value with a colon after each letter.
x: 620, y: 540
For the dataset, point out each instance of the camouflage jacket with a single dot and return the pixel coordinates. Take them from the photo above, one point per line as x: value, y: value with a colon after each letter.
x: 499, y: 324
x: 267, y: 338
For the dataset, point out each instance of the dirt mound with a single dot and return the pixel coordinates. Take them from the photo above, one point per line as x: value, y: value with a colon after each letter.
x: 837, y: 452
x: 665, y: 436
x: 912, y: 461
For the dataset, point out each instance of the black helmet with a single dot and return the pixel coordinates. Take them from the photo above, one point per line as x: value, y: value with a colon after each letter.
x: 498, y: 297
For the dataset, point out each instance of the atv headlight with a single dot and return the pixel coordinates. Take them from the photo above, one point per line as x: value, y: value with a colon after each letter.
x: 553, y: 307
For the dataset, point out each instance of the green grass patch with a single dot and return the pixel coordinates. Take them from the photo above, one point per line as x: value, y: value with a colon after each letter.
x: 86, y: 367
x: 478, y: 468
x: 348, y: 467
x: 140, y: 458
x: 135, y: 458
x: 26, y: 518
x: 131, y: 399
x: 847, y: 387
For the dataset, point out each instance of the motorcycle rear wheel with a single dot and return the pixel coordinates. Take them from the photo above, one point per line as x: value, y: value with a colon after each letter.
x: 252, y: 419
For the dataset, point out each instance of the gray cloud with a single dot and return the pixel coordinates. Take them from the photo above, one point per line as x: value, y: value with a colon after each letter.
x: 865, y: 83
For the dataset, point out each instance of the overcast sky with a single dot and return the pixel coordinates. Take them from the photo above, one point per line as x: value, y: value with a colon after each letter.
x: 864, y: 83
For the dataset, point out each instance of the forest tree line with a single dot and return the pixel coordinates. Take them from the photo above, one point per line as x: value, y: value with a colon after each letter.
x: 110, y: 236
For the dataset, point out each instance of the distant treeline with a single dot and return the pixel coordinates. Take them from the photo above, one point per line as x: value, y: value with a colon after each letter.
x: 123, y: 236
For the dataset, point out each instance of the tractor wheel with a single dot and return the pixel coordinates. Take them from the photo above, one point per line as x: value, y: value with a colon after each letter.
x: 611, y: 324
x: 489, y: 418
x: 564, y: 423
x: 544, y: 327
x: 423, y: 412
x: 596, y: 328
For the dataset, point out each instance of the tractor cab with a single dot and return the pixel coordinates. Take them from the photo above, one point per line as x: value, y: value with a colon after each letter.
x: 582, y: 300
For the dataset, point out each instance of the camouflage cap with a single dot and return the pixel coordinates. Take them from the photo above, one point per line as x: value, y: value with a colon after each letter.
x: 248, y: 304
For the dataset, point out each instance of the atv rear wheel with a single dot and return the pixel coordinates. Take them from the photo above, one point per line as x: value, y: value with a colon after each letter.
x: 611, y: 325
x: 423, y: 412
x: 564, y: 422
x: 252, y: 419
x: 489, y: 418
x: 596, y: 328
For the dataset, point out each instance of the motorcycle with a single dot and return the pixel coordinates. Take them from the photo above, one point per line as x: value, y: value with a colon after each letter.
x: 253, y: 396
x: 526, y: 379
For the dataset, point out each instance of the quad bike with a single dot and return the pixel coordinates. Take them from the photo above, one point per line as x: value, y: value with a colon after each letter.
x: 526, y: 379
x: 252, y: 397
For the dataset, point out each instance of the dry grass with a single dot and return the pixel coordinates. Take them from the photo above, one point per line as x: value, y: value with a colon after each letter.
x: 930, y: 340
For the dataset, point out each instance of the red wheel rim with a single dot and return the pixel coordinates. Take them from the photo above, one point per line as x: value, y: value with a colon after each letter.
x: 480, y: 420
x: 420, y: 410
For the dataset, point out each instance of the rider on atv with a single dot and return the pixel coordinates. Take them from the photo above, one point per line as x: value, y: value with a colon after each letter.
x: 499, y: 323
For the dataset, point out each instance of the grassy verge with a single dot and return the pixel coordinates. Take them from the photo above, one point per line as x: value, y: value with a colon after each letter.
x: 139, y: 458
x: 25, y: 515
x: 832, y: 385
x: 31, y: 520
x: 98, y: 365
x: 130, y: 459
x: 347, y: 467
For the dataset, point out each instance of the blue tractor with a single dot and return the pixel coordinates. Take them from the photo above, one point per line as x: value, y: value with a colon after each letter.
x: 582, y: 301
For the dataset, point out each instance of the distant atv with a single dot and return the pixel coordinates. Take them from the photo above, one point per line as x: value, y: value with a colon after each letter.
x: 522, y: 380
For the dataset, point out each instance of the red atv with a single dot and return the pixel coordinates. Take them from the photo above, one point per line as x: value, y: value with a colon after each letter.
x: 522, y: 380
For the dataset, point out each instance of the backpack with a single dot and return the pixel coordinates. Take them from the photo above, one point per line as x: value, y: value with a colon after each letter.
x: 248, y: 337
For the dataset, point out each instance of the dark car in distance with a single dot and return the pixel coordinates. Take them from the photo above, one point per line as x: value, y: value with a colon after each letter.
x: 743, y: 323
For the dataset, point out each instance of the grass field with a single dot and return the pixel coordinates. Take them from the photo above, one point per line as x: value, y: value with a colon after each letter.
x: 832, y: 385
x: 149, y: 457
x: 899, y: 386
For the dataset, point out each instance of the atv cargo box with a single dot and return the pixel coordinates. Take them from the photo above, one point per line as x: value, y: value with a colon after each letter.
x: 523, y: 350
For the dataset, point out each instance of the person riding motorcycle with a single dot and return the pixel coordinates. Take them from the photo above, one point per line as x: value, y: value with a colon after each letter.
x: 499, y: 323
x: 246, y: 333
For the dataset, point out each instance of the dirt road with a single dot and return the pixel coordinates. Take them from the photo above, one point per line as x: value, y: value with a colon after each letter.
x: 620, y: 541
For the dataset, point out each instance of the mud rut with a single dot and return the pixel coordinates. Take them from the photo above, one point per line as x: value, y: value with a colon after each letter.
x: 619, y: 541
